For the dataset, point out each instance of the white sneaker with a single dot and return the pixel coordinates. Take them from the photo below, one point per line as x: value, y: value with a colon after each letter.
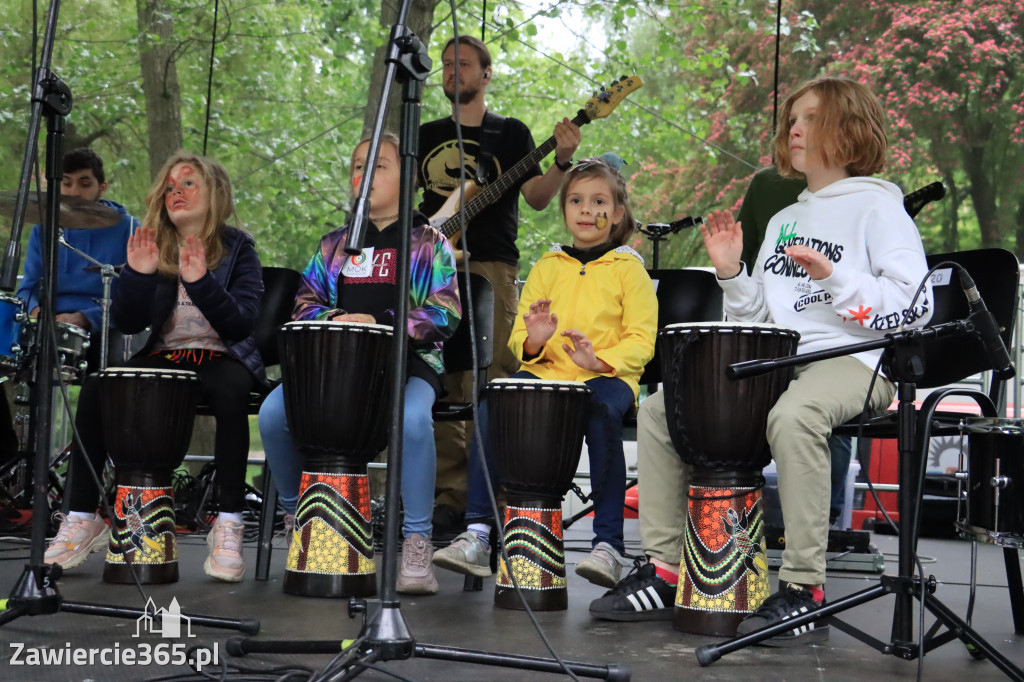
x: 416, y: 575
x: 75, y: 539
x: 603, y: 566
x: 225, y: 561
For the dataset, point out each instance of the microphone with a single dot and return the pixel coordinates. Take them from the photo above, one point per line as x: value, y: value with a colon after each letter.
x: 659, y: 230
x: 988, y: 330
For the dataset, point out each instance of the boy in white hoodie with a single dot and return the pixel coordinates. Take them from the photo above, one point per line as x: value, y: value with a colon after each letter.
x: 840, y: 266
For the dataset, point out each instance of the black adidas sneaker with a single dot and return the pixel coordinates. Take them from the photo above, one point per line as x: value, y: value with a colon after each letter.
x: 641, y: 595
x: 790, y: 601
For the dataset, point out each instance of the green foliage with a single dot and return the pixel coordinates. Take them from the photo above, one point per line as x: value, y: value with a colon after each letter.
x: 290, y: 82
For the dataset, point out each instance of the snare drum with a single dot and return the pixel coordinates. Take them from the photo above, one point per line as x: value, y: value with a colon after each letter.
x: 991, y: 507
x: 147, y: 417
x: 12, y: 313
x: 72, y: 345
x: 535, y: 434
x: 719, y: 426
x: 337, y: 389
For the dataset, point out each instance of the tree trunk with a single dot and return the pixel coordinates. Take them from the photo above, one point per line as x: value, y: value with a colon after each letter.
x: 951, y: 236
x: 420, y: 22
x: 159, y: 81
x: 982, y: 195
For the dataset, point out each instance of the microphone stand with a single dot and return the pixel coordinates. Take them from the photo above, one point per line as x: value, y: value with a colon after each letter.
x: 904, y: 362
x: 659, y: 232
x: 385, y: 636
x: 35, y: 591
x: 107, y: 274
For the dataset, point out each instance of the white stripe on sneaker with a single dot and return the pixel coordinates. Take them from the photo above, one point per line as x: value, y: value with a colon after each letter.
x: 642, y: 596
x: 658, y: 603
x: 636, y: 605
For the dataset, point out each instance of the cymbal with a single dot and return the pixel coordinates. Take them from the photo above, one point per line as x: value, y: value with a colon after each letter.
x: 75, y: 213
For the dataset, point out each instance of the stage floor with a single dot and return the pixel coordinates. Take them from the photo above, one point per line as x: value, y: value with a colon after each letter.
x: 651, y: 651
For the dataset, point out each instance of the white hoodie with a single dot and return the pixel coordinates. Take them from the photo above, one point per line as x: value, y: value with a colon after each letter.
x: 877, y: 258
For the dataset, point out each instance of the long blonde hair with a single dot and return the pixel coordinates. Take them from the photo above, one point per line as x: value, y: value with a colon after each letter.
x: 222, y: 206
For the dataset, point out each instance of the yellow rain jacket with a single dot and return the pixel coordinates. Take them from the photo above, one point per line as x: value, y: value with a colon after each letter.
x: 610, y: 299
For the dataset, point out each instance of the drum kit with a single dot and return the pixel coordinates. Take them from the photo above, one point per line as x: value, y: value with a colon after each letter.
x: 19, y: 331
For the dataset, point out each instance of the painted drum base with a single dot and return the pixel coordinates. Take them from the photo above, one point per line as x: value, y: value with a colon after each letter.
x: 142, y: 536
x: 723, y: 574
x: 331, y: 553
x: 533, y: 540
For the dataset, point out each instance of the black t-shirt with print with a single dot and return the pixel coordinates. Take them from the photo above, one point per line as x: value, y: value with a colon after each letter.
x: 492, y: 234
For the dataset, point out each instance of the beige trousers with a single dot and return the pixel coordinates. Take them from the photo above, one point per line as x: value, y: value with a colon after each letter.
x: 452, y: 438
x: 822, y: 395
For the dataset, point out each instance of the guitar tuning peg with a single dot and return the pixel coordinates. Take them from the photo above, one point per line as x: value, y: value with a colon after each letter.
x: 623, y: 78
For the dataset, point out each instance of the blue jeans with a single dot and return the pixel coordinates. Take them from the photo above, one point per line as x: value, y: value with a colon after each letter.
x: 418, y: 455
x: 841, y: 449
x: 607, y: 462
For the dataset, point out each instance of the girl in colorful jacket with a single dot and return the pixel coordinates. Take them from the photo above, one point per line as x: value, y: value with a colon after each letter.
x: 588, y: 313
x: 338, y: 287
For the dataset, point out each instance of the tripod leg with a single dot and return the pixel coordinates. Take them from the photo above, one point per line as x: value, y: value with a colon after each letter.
x: 546, y: 665
x: 973, y: 639
x: 708, y: 654
x: 1013, y: 580
x: 250, y: 626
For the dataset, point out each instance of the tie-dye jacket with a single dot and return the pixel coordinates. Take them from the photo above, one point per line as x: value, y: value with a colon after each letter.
x: 434, y: 305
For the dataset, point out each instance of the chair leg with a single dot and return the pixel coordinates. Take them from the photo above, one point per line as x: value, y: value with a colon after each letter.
x: 267, y: 515
x: 1013, y: 580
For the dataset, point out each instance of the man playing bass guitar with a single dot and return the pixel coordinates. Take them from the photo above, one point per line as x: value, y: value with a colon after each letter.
x: 492, y: 144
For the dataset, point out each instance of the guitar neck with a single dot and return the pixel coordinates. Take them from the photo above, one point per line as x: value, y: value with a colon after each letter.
x: 494, y: 190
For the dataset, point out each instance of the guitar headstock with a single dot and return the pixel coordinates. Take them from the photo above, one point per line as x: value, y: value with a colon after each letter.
x: 603, y: 103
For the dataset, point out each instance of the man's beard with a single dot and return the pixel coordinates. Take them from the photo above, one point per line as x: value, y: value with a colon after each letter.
x: 465, y: 97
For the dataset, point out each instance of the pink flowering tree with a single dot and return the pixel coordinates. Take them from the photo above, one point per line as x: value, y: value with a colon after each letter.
x: 950, y: 76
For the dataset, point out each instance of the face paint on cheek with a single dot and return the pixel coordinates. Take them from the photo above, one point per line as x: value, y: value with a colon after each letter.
x: 356, y: 181
x: 177, y: 190
x: 601, y: 222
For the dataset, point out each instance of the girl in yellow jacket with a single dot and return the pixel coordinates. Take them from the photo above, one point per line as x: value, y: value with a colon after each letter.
x: 588, y: 313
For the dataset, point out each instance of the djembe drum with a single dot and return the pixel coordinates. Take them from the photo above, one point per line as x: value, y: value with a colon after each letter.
x: 718, y: 426
x: 535, y: 434
x: 337, y: 389
x: 147, y: 417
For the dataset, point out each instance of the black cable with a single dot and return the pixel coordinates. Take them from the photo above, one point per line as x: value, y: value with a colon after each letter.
x: 477, y: 435
x: 775, y: 85
x: 209, y: 78
x: 51, y: 326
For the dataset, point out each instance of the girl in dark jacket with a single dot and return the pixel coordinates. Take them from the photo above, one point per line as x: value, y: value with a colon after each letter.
x: 197, y: 283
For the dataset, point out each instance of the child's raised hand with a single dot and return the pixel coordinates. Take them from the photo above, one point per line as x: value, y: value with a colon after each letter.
x: 143, y: 255
x: 723, y: 239
x: 541, y: 325
x: 817, y: 264
x: 192, y: 259
x: 582, y: 352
